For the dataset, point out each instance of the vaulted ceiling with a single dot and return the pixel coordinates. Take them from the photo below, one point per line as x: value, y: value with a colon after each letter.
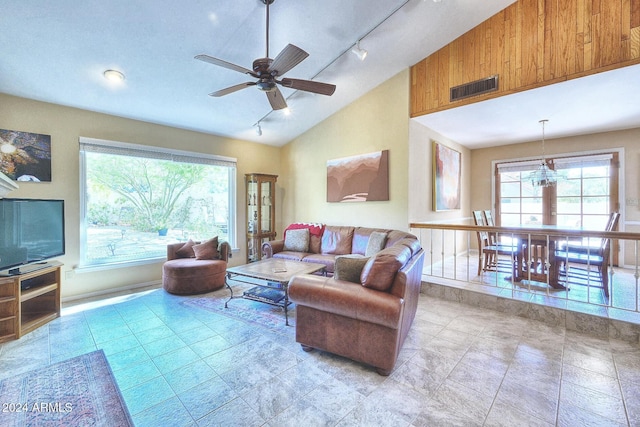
x: 57, y: 52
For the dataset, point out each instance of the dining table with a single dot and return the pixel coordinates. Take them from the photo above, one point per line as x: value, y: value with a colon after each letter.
x: 535, y: 254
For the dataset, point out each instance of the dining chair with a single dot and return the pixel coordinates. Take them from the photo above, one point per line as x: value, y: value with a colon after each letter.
x: 598, y: 257
x: 489, y: 251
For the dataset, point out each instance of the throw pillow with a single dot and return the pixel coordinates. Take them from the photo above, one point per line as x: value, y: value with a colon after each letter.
x: 297, y: 240
x: 377, y: 239
x: 207, y: 250
x: 349, y: 268
x: 380, y: 271
x: 186, y: 250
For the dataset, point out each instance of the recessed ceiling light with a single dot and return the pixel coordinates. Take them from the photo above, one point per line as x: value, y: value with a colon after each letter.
x: 113, y: 76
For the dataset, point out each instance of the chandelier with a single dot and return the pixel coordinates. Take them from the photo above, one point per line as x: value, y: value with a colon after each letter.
x: 543, y: 176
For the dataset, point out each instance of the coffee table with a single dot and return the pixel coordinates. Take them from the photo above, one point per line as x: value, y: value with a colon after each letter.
x: 270, y: 274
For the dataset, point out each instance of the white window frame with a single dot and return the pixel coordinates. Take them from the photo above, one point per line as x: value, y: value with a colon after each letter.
x: 125, y: 148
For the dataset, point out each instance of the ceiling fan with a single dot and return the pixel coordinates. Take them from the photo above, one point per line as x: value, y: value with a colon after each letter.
x: 267, y: 71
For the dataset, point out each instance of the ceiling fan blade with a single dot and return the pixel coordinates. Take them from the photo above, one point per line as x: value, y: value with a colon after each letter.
x: 287, y: 59
x: 225, y: 64
x: 231, y: 89
x: 309, y: 86
x: 276, y: 99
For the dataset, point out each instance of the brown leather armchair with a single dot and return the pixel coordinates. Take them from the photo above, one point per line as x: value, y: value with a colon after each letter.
x: 184, y: 274
x: 362, y: 321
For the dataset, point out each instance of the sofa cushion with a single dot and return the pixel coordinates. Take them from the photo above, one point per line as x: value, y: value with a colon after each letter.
x: 186, y: 250
x: 412, y: 243
x: 349, y: 267
x: 361, y: 239
x: 290, y: 255
x: 395, y: 236
x: 337, y: 240
x: 328, y: 260
x: 207, y: 250
x: 297, y: 240
x: 377, y: 240
x: 380, y: 271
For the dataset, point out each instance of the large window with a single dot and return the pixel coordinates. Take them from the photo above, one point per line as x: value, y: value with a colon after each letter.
x: 583, y: 197
x: 137, y: 199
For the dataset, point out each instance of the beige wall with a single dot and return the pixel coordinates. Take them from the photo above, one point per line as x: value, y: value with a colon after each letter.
x: 376, y: 121
x: 66, y: 125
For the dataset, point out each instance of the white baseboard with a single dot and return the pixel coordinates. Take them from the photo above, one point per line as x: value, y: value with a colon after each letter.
x: 112, y: 291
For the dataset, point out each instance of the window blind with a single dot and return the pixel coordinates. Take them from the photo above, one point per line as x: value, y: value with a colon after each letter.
x: 145, y: 151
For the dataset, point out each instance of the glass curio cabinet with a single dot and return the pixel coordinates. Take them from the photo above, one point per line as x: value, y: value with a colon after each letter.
x: 261, y: 212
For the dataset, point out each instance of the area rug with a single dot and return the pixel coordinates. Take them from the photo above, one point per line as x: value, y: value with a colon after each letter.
x: 76, y: 392
x: 254, y: 312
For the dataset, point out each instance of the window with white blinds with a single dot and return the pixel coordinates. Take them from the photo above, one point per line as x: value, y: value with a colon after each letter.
x: 583, y: 197
x: 136, y: 199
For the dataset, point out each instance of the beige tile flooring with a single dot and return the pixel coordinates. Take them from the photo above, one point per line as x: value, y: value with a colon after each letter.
x: 461, y: 365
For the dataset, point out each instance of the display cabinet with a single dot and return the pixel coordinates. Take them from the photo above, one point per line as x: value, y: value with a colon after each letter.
x: 261, y: 212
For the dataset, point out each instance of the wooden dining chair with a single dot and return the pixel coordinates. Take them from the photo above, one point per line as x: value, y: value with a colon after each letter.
x: 598, y: 257
x: 488, y: 251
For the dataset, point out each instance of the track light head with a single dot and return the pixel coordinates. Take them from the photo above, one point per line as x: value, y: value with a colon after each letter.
x: 359, y: 52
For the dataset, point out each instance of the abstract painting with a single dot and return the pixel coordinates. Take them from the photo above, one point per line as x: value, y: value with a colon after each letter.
x: 446, y: 178
x: 25, y: 156
x: 361, y: 178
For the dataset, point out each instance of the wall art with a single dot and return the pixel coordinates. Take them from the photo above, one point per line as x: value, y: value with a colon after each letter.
x: 446, y: 178
x: 361, y: 178
x: 25, y: 156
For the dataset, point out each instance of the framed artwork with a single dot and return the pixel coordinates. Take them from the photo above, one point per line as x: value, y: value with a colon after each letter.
x: 446, y: 178
x: 361, y: 178
x: 25, y: 156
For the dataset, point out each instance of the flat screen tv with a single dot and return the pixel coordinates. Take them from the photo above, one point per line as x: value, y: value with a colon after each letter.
x: 31, y: 231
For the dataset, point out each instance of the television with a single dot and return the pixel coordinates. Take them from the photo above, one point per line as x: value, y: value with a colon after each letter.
x: 31, y: 231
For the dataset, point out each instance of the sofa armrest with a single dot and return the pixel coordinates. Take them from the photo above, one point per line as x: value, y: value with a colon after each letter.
x: 224, y: 249
x: 272, y: 247
x: 346, y: 299
x: 172, y: 248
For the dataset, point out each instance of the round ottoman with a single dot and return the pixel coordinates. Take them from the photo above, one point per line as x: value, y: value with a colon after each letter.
x: 186, y: 276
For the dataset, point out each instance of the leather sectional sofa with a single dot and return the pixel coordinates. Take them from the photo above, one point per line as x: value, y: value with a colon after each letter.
x: 363, y: 315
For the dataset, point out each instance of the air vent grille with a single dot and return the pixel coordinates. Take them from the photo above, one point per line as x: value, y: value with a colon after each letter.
x: 474, y: 88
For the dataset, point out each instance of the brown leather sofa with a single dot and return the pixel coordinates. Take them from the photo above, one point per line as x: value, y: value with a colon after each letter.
x: 335, y: 241
x: 366, y: 319
x: 184, y: 274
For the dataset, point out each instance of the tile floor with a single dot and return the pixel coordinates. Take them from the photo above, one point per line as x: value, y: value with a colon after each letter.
x: 461, y: 365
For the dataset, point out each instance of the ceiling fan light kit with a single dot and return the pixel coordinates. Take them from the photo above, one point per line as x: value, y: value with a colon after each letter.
x: 267, y: 71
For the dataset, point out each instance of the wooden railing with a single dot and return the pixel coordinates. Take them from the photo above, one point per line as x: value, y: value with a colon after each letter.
x: 452, y: 256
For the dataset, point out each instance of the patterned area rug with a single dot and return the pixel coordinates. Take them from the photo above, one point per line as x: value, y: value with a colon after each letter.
x: 77, y: 392
x: 253, y: 312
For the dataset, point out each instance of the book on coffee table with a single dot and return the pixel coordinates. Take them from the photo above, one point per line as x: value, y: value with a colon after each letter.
x: 263, y: 294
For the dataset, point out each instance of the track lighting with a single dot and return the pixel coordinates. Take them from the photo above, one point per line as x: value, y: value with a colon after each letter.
x: 359, y: 52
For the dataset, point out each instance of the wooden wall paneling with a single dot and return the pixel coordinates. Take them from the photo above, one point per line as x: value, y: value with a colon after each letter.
x: 635, y: 13
x: 442, y: 95
x: 530, y: 44
x: 635, y: 43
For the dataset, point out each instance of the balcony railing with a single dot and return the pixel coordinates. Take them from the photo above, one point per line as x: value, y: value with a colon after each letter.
x: 536, y: 270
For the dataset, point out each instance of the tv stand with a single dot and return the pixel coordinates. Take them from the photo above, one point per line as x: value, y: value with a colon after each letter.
x: 29, y: 300
x: 28, y: 268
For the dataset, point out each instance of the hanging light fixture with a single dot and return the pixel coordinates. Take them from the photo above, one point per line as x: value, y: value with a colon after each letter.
x: 543, y: 176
